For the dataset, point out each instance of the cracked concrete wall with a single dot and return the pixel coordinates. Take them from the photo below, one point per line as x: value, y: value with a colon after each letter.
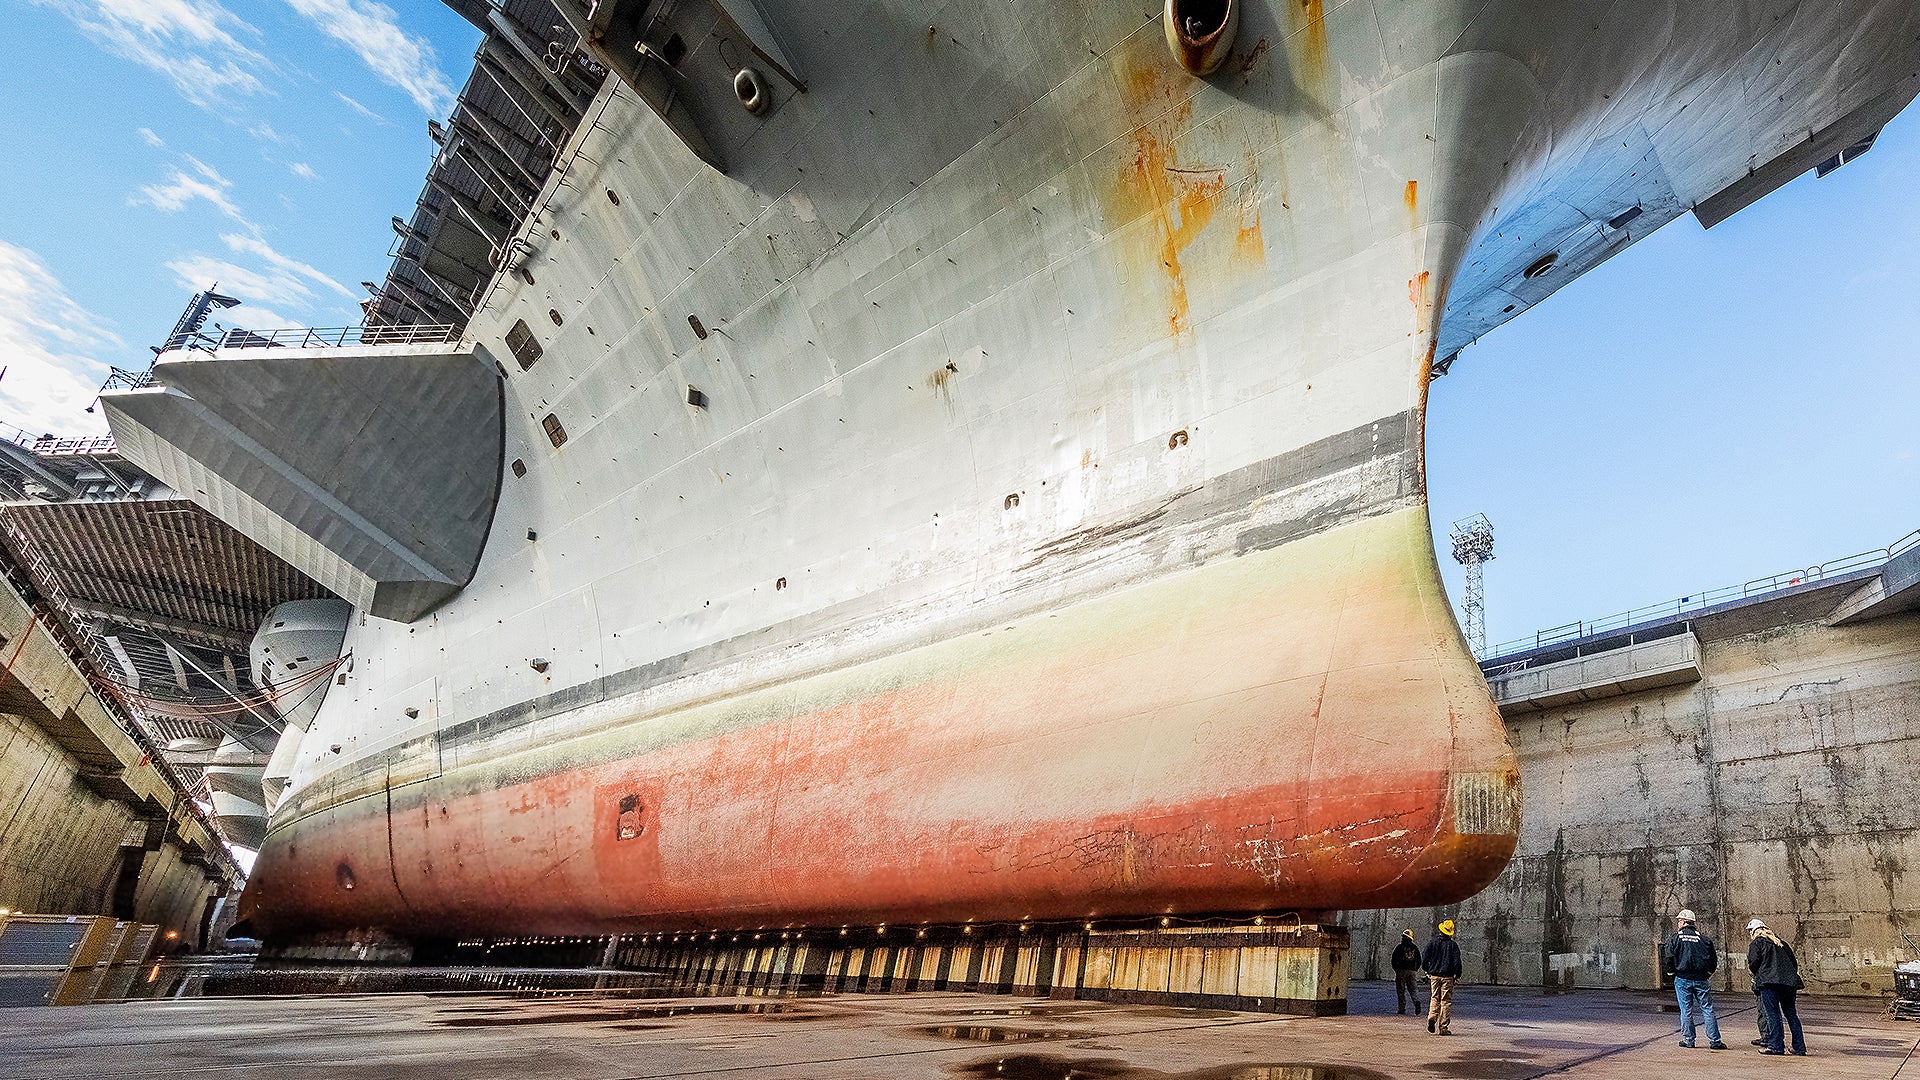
x: 1782, y: 785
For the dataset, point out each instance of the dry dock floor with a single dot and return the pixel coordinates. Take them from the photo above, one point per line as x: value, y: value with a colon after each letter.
x: 1501, y: 1034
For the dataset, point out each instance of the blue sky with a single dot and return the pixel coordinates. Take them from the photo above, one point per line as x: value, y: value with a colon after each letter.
x: 1706, y: 408
x: 154, y: 146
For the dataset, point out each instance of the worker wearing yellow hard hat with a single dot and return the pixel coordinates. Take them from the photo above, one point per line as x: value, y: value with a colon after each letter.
x: 1441, y: 961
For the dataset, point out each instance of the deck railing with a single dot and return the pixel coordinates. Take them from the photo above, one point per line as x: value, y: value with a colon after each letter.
x: 334, y: 337
x: 77, y: 445
x: 1700, y: 601
x: 122, y: 379
x: 74, y: 445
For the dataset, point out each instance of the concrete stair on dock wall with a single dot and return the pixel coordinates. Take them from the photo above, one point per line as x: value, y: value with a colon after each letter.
x: 40, y: 683
x: 1640, y: 666
x: 1894, y: 590
x: 372, y: 469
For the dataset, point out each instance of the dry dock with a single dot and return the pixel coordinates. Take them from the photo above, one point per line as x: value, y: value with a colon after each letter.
x: 1503, y: 1033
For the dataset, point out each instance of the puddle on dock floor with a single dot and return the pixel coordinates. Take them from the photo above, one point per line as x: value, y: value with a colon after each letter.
x: 1049, y: 1067
x: 993, y: 1033
x: 1060, y: 1009
x: 497, y: 1017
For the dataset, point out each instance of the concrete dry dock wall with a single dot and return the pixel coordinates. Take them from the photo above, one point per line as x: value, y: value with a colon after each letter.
x: 58, y: 839
x: 87, y: 826
x: 1782, y: 781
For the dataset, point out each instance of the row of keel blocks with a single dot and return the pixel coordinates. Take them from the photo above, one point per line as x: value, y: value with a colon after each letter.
x: 1200, y: 32
x: 1300, y: 970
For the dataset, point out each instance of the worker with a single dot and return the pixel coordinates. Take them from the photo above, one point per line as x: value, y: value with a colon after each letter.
x: 1689, y: 956
x: 1442, y: 964
x: 1777, y: 973
x: 1406, y: 961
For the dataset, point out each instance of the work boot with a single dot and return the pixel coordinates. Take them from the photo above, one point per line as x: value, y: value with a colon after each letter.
x: 1716, y: 1045
x: 1759, y: 1042
x: 1688, y: 1043
x: 1430, y: 1025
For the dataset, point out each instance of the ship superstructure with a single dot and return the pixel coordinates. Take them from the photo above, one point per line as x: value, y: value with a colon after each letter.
x: 934, y: 464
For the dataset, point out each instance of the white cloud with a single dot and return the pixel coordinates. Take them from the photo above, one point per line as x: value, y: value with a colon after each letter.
x: 196, y: 272
x: 253, y: 245
x: 147, y: 136
x: 302, y: 170
x: 189, y: 42
x: 399, y: 59
x: 264, y: 275
x: 51, y: 347
x: 255, y: 317
x: 181, y: 188
x: 265, y: 133
x: 275, y: 280
x: 362, y: 109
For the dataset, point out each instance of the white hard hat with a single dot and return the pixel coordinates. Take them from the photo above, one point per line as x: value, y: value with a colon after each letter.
x: 1686, y: 915
x: 1755, y: 924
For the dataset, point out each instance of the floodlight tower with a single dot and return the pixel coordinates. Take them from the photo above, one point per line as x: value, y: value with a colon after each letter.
x: 1473, y: 547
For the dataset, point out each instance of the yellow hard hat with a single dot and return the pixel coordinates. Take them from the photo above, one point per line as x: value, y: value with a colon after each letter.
x: 1446, y: 927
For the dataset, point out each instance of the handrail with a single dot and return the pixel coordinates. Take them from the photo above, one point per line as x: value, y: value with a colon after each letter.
x: 1785, y: 580
x: 332, y: 337
x: 74, y: 445
x: 53, y: 445
x: 122, y: 379
x: 17, y: 435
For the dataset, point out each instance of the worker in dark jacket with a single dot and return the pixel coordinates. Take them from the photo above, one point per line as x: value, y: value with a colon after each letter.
x: 1777, y: 975
x: 1406, y: 961
x: 1441, y: 962
x: 1689, y: 956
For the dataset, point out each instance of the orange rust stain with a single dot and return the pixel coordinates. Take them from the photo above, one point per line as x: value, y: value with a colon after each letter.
x: 1313, y: 42
x: 1179, y: 201
x: 1142, y: 81
x: 1426, y: 380
x: 1249, y: 243
x: 1422, y: 303
x: 1413, y: 198
x: 1198, y: 198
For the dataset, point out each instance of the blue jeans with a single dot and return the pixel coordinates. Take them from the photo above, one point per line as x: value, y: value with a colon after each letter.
x: 1778, y: 1003
x: 1695, y: 997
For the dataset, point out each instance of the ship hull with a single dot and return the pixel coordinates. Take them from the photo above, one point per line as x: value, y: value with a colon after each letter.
x: 999, y: 494
x: 1218, y: 740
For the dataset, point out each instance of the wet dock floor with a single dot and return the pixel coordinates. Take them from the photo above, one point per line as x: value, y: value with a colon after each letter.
x: 535, y: 1025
